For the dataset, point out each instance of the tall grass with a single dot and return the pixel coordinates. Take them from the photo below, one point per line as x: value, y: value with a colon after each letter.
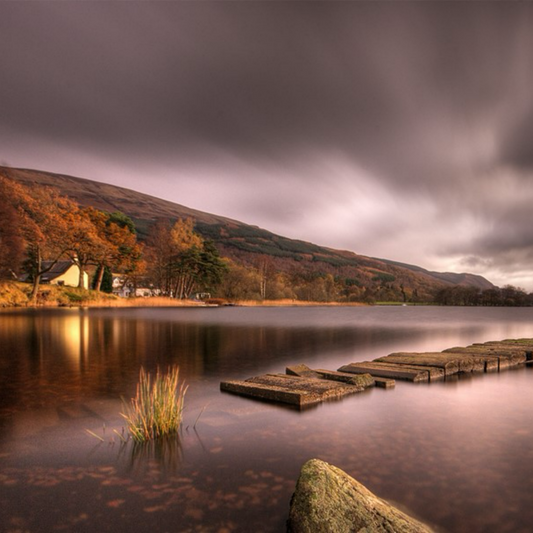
x: 156, y: 410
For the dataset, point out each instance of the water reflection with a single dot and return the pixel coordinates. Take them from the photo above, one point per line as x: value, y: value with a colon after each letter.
x: 47, y: 358
x: 164, y: 453
x: 465, y: 444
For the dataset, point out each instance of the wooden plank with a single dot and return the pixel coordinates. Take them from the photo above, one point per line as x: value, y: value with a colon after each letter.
x: 383, y: 370
x: 360, y: 380
x: 450, y: 365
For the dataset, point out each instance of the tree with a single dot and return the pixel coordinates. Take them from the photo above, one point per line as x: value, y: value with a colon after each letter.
x: 240, y: 282
x: 84, y: 240
x: 266, y: 271
x: 43, y: 217
x: 179, y: 259
x: 11, y: 240
x: 159, y: 252
x: 103, y: 280
x: 116, y: 247
x: 212, y: 268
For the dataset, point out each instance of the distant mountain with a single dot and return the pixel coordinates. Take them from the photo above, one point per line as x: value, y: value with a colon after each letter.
x: 251, y: 245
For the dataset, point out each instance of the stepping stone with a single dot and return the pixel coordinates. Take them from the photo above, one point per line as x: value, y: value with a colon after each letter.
x: 519, y: 353
x: 385, y: 370
x: 363, y: 380
x: 293, y: 390
x: 505, y: 360
x: 482, y: 362
x: 303, y: 371
x: 449, y: 365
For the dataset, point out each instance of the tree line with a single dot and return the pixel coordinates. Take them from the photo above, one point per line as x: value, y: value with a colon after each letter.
x: 39, y: 227
x: 508, y: 296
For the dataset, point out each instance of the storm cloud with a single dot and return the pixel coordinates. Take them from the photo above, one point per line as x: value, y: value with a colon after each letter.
x: 401, y: 130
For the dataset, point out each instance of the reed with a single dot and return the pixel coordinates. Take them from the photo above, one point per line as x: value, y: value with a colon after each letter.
x: 156, y: 411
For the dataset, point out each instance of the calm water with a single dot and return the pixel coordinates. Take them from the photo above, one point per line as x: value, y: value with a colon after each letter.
x: 457, y: 454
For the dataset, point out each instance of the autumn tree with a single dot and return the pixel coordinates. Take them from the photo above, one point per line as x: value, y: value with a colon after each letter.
x: 84, y: 242
x: 11, y: 240
x: 159, y: 252
x: 43, y: 217
x: 241, y: 283
x: 180, y: 260
x: 116, y: 247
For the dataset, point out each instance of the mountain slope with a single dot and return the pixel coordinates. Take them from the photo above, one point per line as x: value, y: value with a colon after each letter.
x: 250, y: 244
x: 453, y: 278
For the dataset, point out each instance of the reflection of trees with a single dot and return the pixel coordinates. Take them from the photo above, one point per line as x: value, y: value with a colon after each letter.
x: 50, y: 357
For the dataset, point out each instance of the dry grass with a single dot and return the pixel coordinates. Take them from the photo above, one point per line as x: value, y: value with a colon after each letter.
x: 156, y: 411
x: 155, y: 301
x: 16, y: 294
x: 294, y: 303
x: 13, y: 294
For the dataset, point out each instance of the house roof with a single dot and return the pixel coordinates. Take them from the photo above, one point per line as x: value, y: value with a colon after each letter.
x: 57, y: 270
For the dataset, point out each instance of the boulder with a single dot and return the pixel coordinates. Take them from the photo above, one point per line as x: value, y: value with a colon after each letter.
x: 327, y: 500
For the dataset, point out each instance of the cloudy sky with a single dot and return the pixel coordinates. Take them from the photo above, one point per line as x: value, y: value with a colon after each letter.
x: 401, y: 129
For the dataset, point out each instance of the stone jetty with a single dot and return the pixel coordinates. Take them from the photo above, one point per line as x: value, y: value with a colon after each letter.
x: 302, y: 386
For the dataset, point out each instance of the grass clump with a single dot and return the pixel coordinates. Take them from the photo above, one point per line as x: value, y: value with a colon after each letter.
x: 156, y: 411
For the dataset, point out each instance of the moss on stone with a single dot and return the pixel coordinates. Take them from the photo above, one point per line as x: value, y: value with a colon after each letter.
x: 328, y: 500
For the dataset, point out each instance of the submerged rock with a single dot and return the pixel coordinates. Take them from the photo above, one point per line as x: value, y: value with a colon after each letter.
x: 327, y: 500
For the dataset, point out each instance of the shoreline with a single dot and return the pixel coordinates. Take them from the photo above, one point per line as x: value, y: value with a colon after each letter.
x: 154, y: 302
x: 15, y: 295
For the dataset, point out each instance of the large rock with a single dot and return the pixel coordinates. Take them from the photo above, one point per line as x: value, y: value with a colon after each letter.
x: 327, y: 500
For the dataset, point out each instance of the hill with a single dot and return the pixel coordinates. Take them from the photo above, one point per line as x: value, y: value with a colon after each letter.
x: 251, y: 245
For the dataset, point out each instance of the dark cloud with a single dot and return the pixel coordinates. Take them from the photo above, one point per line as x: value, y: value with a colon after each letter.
x: 389, y: 128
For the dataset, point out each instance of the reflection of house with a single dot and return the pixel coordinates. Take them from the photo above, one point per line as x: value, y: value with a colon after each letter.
x: 64, y: 273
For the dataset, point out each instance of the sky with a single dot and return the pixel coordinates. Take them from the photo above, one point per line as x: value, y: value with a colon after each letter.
x: 394, y: 129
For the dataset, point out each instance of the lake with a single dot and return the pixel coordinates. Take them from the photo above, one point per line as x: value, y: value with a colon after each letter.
x: 456, y: 454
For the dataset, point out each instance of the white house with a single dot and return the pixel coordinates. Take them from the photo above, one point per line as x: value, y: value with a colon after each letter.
x: 64, y: 273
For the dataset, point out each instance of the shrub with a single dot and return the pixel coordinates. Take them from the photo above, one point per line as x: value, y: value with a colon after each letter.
x: 156, y: 411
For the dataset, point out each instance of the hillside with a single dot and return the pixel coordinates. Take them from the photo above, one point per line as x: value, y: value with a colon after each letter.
x: 250, y: 245
x: 464, y: 278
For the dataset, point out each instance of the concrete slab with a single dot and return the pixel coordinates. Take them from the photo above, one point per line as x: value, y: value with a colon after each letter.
x: 384, y: 370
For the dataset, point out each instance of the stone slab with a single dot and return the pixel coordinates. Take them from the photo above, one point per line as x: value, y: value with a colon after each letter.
x: 384, y: 383
x: 481, y: 361
x: 270, y: 392
x: 434, y: 372
x: 360, y: 380
x: 505, y: 360
x: 519, y: 354
x: 293, y: 390
x: 302, y: 371
x: 449, y: 365
x: 384, y: 370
